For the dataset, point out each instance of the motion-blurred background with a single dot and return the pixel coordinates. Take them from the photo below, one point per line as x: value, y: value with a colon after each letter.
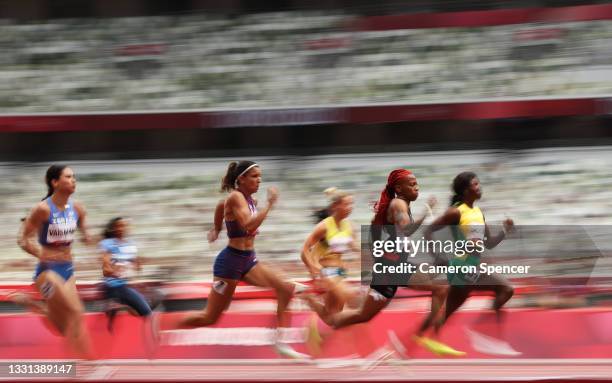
x: 149, y: 100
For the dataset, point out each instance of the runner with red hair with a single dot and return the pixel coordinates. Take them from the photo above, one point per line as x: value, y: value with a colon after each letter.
x: 393, y: 216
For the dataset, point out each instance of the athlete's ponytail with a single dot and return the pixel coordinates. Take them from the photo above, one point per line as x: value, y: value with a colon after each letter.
x: 53, y: 173
x: 227, y: 183
x: 460, y: 184
x: 320, y: 215
x: 387, y: 195
x: 235, y: 170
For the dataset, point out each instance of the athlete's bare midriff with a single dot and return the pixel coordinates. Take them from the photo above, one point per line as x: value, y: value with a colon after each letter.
x: 242, y: 243
x: 56, y: 254
x: 332, y: 260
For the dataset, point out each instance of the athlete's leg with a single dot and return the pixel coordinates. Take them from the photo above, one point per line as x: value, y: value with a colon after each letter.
x: 65, y: 310
x: 457, y: 295
x: 500, y: 286
x: 337, y: 293
x: 112, y: 301
x: 422, y: 282
x: 262, y: 276
x: 135, y: 302
x: 49, y: 284
x: 219, y: 299
x: 139, y: 306
x: 25, y: 300
x: 37, y: 307
x: 372, y: 305
x: 129, y: 296
x: 503, y: 292
x: 484, y: 337
x: 81, y: 335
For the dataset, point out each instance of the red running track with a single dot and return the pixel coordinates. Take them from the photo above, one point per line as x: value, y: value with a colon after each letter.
x: 553, y: 345
x: 535, y: 333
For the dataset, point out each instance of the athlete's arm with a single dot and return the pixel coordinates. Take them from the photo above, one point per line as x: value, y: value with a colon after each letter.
x: 492, y: 241
x: 82, y: 224
x: 239, y: 207
x: 108, y: 270
x: 213, y: 233
x: 218, y: 220
x: 401, y: 219
x: 308, y: 257
x: 32, y: 224
x: 398, y: 209
x: 430, y: 204
x: 450, y: 217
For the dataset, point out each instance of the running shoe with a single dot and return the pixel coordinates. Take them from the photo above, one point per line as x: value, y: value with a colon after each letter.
x: 283, y: 349
x: 489, y: 345
x: 436, y: 347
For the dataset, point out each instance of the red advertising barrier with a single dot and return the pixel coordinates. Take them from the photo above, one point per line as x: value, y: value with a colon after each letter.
x: 368, y: 114
x: 199, y: 290
x: 473, y: 110
x: 97, y: 122
x: 576, y: 333
x: 484, y: 18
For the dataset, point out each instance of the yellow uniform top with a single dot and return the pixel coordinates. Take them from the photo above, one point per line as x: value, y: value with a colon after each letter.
x: 471, y: 227
x: 471, y: 222
x: 337, y: 239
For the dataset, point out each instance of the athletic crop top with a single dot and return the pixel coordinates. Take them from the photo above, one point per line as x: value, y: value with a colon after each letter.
x: 337, y: 239
x: 471, y: 227
x: 234, y: 230
x: 471, y: 222
x: 59, y: 228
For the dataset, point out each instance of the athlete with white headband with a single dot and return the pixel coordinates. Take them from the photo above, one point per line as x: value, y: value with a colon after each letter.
x: 238, y: 262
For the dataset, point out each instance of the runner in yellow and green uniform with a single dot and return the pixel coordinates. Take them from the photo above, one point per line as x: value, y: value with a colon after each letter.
x: 468, y: 223
x: 471, y: 228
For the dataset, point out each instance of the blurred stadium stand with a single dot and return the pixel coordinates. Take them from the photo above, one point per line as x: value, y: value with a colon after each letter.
x: 171, y: 202
x: 296, y: 58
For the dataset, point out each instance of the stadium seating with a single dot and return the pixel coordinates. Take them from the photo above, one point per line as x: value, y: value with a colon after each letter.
x: 288, y: 59
x: 171, y: 203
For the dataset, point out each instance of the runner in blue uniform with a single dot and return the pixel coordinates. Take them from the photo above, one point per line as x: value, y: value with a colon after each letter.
x: 54, y: 222
x: 120, y: 263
